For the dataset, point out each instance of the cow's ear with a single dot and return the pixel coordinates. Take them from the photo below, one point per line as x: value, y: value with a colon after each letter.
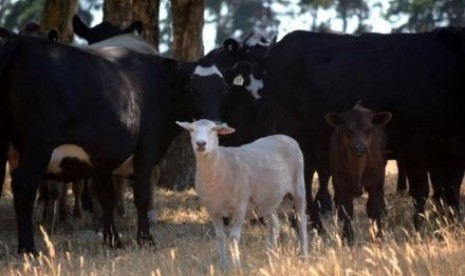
x: 53, y: 35
x: 79, y: 27
x: 224, y: 129
x: 381, y: 118
x: 231, y: 45
x: 136, y: 27
x: 184, y: 125
x: 334, y: 119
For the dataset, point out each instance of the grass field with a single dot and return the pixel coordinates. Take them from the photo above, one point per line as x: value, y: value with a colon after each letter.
x: 185, y: 245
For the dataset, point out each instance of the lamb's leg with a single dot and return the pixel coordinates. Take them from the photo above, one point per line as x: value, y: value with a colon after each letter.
x: 220, y: 240
x: 300, y: 207
x: 272, y: 225
x: 237, y: 221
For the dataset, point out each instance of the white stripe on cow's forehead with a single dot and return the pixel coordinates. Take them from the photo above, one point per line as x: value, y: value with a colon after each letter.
x: 256, y: 39
x: 207, y: 71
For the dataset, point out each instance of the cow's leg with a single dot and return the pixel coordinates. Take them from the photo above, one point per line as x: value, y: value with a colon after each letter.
x: 415, y: 162
x: 86, y: 196
x: 375, y: 206
x: 345, y: 208
x: 78, y: 187
x: 401, y: 177
x: 24, y: 186
x: 323, y: 198
x: 309, y: 170
x: 452, y: 189
x: 62, y: 193
x: 438, y: 177
x: 106, y: 196
x: 120, y: 185
x: 97, y: 212
x: 144, y: 161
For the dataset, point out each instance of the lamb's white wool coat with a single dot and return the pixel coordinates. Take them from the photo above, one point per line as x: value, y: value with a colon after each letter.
x: 207, y: 71
x: 233, y: 180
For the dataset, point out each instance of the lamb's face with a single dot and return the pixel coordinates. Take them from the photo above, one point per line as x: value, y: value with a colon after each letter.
x: 204, y: 134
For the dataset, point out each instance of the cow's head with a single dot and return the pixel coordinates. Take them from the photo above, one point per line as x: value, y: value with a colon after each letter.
x: 359, y: 132
x: 255, y: 46
x: 103, y: 30
x: 207, y: 89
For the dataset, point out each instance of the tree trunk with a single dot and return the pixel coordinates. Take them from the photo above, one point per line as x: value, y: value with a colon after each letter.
x: 117, y: 12
x: 179, y: 169
x: 57, y: 14
x: 187, y: 29
x: 147, y: 11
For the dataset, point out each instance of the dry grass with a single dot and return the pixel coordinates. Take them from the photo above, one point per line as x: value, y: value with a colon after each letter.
x: 186, y: 246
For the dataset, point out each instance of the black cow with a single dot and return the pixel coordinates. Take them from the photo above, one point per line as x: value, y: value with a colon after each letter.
x: 419, y: 78
x: 102, y: 31
x: 72, y: 114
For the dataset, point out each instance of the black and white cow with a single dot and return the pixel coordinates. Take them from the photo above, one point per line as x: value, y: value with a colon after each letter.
x: 419, y: 78
x: 73, y: 114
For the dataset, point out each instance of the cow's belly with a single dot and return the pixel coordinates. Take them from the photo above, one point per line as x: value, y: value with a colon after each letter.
x: 72, y: 161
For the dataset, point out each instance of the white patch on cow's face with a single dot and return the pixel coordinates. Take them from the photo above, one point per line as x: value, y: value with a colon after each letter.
x: 207, y: 71
x: 66, y: 151
x: 255, y: 86
x: 127, y: 168
x: 257, y: 40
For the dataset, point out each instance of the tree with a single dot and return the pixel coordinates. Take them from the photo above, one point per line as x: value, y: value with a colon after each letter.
x: 424, y: 15
x: 57, y: 14
x: 178, y: 168
x: 124, y: 12
x: 15, y: 14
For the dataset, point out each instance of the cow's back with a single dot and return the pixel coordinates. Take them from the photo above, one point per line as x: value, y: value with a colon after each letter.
x: 417, y: 77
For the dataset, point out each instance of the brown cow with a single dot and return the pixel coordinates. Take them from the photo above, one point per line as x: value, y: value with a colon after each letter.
x: 358, y: 162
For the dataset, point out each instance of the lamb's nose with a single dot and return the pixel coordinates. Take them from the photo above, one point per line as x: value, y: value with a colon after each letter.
x: 201, y: 143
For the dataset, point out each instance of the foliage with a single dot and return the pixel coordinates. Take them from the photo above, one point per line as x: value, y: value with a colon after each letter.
x: 424, y: 15
x: 15, y: 14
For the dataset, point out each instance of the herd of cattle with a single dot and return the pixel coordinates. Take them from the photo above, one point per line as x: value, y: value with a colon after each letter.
x: 351, y: 102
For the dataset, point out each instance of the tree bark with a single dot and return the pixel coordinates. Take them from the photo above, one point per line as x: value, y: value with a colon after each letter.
x: 178, y: 170
x: 187, y: 29
x: 57, y: 14
x: 148, y: 11
x: 123, y: 12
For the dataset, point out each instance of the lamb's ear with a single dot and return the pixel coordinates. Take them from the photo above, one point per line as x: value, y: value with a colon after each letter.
x: 333, y: 119
x: 381, y: 118
x: 184, y: 125
x: 223, y: 129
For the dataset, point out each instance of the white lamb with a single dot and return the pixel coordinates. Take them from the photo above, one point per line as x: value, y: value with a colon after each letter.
x: 254, y: 177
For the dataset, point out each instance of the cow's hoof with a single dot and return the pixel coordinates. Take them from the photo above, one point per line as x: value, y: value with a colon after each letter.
x: 28, y: 250
x: 145, y: 239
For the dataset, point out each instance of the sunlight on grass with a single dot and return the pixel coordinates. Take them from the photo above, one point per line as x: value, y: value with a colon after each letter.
x: 185, y: 245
